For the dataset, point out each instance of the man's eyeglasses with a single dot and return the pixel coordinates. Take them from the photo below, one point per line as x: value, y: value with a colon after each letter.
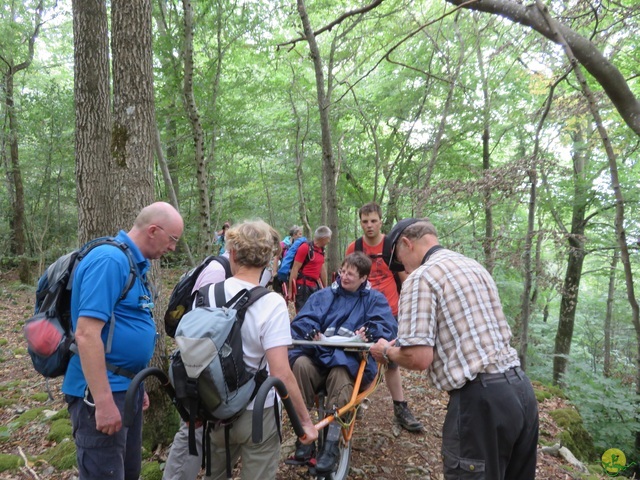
x: 174, y: 239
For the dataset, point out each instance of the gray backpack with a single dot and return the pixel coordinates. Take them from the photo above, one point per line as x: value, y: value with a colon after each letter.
x: 208, y: 371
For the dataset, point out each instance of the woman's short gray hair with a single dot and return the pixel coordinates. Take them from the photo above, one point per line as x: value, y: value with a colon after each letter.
x: 254, y: 242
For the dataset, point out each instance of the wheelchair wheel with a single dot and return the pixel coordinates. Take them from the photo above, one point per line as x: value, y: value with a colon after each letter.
x: 342, y: 471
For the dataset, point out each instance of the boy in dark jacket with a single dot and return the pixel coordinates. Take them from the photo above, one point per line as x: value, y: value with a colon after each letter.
x: 350, y: 307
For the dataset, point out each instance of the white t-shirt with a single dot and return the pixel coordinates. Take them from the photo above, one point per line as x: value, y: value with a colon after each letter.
x: 213, y: 273
x: 266, y: 325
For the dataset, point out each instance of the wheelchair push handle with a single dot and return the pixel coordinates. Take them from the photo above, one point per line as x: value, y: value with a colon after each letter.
x: 258, y: 408
x: 130, y: 396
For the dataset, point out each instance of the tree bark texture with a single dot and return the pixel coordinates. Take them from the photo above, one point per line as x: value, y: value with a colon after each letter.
x: 93, y: 118
x: 134, y: 125
x: 575, y: 261
x: 608, y: 318
x: 196, y: 131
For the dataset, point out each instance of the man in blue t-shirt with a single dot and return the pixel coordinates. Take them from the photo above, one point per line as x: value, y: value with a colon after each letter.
x: 95, y: 394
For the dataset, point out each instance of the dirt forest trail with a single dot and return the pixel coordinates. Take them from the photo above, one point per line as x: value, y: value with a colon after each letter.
x: 381, y: 449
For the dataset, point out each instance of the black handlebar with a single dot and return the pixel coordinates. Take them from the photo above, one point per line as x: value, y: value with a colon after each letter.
x: 258, y: 408
x: 130, y: 397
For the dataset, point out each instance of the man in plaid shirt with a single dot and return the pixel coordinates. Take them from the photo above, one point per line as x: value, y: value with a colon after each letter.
x: 451, y: 323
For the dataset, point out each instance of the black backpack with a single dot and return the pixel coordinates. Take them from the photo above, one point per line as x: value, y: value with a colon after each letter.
x: 385, y: 255
x: 49, y: 333
x: 181, y: 299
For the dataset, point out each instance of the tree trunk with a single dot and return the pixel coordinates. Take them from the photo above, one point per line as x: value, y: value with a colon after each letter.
x: 206, y: 239
x: 571, y: 286
x: 608, y: 318
x: 133, y: 142
x: 299, y: 157
x: 329, y: 170
x: 171, y: 192
x: 523, y: 333
x: 134, y: 124
x: 93, y: 119
x: 17, y: 242
x: 487, y: 244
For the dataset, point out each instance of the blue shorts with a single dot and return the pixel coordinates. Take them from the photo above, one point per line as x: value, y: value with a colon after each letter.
x: 102, y: 456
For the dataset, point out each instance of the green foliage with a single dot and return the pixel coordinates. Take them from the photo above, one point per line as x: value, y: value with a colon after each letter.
x: 609, y: 408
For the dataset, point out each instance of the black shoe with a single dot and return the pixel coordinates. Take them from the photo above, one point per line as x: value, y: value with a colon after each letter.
x: 328, y: 457
x: 405, y: 418
x: 304, y: 453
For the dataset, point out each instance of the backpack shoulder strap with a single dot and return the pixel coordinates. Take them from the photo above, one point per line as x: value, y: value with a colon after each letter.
x: 310, y: 254
x: 255, y: 294
x: 201, y: 298
x: 226, y: 264
x: 358, y: 245
x: 133, y: 269
x: 221, y: 298
x: 386, y: 249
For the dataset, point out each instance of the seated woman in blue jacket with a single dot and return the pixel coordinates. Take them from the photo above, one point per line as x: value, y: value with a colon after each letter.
x: 348, y: 308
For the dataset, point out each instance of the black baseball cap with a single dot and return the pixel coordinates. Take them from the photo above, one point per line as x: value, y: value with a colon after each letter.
x: 394, y: 236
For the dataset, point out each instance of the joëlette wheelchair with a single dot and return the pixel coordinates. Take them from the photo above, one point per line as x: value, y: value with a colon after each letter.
x: 325, y: 415
x: 345, y: 416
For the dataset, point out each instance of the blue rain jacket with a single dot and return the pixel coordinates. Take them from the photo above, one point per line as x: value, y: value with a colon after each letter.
x: 336, y: 311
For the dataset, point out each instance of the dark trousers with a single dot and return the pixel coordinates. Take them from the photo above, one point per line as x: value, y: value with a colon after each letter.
x: 102, y: 456
x: 303, y: 292
x: 491, y: 429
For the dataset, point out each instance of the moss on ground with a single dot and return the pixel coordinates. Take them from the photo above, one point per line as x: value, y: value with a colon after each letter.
x: 62, y: 456
x: 60, y: 429
x: 40, y: 396
x: 574, y: 436
x: 544, y: 392
x: 28, y: 416
x: 10, y: 462
x: 64, y: 413
x: 151, y: 471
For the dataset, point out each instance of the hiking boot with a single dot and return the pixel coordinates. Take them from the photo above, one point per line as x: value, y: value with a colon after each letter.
x: 405, y: 418
x: 328, y: 458
x: 304, y: 453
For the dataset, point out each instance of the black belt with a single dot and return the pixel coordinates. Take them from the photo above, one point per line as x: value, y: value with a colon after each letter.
x: 513, y: 373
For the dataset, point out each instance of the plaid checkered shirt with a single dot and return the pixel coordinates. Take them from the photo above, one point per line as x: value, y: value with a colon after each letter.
x: 451, y: 303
